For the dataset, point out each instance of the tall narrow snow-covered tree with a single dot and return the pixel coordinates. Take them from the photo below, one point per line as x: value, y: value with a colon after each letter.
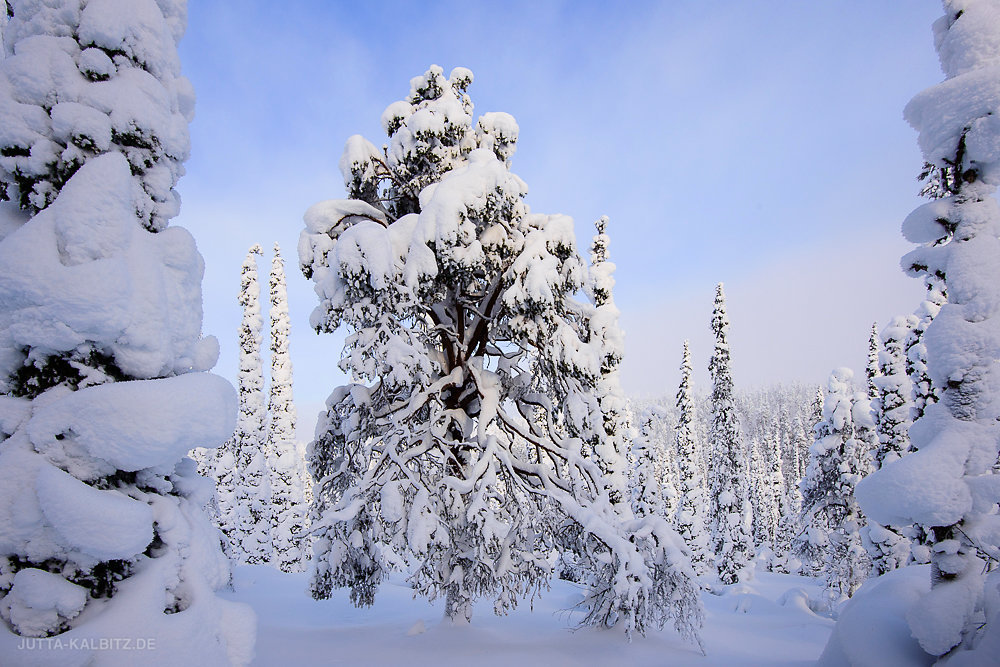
x: 104, y: 382
x: 873, y: 370
x: 761, y: 501
x: 609, y: 448
x: 691, y: 521
x: 732, y: 542
x: 251, y: 538
x: 949, y: 481
x: 848, y: 564
x: 474, y: 436
x: 286, y: 469
x: 774, y: 483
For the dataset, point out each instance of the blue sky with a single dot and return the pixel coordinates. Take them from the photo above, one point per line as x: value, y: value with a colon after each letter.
x: 756, y: 143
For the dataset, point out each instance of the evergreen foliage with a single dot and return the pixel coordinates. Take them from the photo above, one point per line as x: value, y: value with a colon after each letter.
x: 831, y: 544
x: 251, y: 536
x: 729, y: 510
x: 287, y: 475
x: 483, y: 427
x: 103, y: 368
x: 691, y: 520
x: 947, y: 483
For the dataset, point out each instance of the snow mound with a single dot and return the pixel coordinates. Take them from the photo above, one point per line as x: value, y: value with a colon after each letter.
x: 107, y: 525
x: 137, y: 425
x: 872, y: 630
x: 40, y: 602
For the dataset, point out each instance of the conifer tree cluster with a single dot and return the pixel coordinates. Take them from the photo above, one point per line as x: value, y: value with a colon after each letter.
x: 261, y: 481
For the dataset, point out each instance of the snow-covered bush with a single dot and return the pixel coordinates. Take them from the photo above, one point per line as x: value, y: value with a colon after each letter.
x: 483, y: 421
x: 103, y: 368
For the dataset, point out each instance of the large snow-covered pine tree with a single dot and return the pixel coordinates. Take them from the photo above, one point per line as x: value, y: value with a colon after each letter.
x: 475, y: 401
x: 103, y: 368
x: 732, y: 542
x: 286, y: 468
x: 949, y: 481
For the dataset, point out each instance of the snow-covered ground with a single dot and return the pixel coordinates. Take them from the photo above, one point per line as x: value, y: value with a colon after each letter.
x: 765, y: 622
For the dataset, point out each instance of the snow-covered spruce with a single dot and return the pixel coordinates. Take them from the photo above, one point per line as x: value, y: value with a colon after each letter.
x: 103, y: 368
x: 767, y: 489
x: 459, y: 449
x: 76, y: 85
x: 894, y: 391
x: 949, y: 482
x: 729, y: 512
x: 252, y: 510
x: 286, y: 468
x: 609, y: 444
x: 872, y: 370
x: 690, y: 521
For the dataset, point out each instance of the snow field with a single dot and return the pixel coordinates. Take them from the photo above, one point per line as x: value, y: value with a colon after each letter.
x: 764, y: 622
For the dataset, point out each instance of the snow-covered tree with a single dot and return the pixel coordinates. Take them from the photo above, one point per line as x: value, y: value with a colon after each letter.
x: 654, y: 491
x: 610, y: 444
x: 774, y: 480
x: 891, y: 411
x: 729, y: 512
x: 94, y: 97
x: 830, y: 543
x: 251, y: 538
x: 761, y: 501
x: 474, y: 437
x: 924, y: 391
x: 798, y: 442
x: 872, y: 371
x: 949, y: 481
x: 286, y: 468
x: 104, y: 382
x: 848, y: 564
x: 894, y: 391
x: 691, y: 521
